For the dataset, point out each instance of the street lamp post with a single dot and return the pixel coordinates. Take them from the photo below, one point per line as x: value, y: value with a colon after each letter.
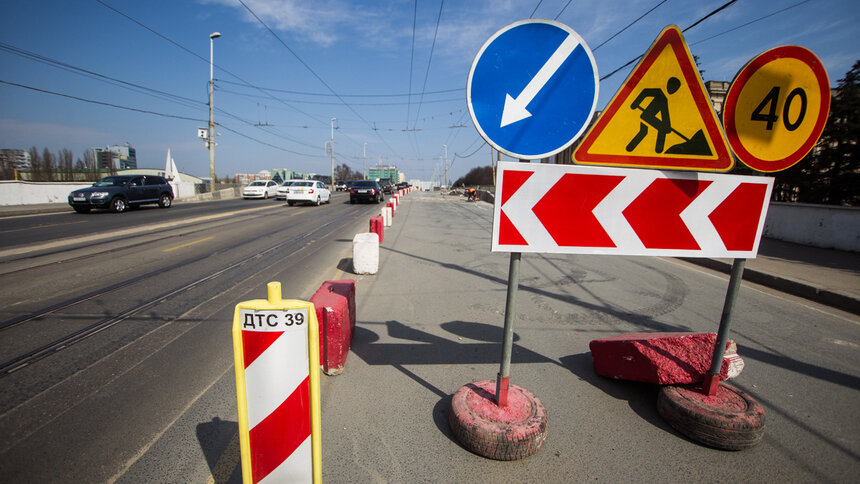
x: 365, y: 161
x: 211, y: 136
x: 332, y: 153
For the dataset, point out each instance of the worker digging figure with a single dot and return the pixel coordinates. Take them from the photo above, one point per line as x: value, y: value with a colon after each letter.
x: 656, y: 114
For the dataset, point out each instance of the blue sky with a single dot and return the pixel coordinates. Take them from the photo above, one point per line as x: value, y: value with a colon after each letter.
x: 348, y: 59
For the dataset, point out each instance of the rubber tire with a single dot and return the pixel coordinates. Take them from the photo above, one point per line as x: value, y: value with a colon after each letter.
x: 118, y: 205
x: 265, y: 195
x: 318, y: 201
x: 492, y: 439
x: 164, y: 201
x: 291, y: 203
x: 82, y: 209
x: 705, y: 420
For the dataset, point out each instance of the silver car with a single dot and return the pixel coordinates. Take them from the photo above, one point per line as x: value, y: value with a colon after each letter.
x: 260, y: 189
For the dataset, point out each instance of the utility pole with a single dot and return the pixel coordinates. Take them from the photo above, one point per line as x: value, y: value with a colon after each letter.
x: 446, y: 164
x: 332, y: 153
x: 365, y: 161
x: 211, y: 137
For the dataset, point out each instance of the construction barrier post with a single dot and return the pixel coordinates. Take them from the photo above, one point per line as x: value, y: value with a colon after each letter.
x: 276, y: 357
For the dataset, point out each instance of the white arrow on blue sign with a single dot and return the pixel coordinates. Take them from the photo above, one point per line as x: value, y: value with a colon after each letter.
x: 533, y: 88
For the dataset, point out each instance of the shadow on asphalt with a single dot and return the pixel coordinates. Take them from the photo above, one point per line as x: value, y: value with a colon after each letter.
x: 217, y: 439
x: 641, y: 397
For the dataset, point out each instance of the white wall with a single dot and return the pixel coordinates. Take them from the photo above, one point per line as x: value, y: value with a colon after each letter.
x: 28, y: 193
x: 816, y: 225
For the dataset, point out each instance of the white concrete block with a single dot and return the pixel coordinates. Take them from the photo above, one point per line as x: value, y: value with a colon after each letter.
x: 386, y: 216
x: 365, y: 253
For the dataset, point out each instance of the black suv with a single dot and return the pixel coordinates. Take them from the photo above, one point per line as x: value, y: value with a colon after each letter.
x: 365, y: 191
x: 119, y: 192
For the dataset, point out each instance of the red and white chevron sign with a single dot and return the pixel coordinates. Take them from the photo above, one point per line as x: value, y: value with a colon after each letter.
x: 575, y: 209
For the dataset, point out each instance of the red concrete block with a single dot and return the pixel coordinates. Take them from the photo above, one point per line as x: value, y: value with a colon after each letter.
x: 662, y: 358
x: 335, y: 305
x: 377, y: 226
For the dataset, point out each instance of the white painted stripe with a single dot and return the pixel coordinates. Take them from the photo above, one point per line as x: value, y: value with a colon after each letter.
x: 298, y: 467
x: 695, y: 216
x: 519, y: 208
x: 609, y: 211
x: 275, y: 375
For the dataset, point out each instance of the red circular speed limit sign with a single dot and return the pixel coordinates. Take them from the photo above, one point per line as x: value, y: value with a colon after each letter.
x: 776, y: 108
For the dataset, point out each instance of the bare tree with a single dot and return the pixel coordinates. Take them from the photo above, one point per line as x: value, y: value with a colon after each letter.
x: 67, y: 164
x: 49, y: 165
x: 35, y: 164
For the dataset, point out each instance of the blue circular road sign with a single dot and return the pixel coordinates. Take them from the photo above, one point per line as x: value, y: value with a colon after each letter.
x: 532, y: 88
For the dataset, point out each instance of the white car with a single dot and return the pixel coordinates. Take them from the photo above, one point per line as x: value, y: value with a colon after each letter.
x: 260, y: 189
x: 308, y: 191
x: 282, y: 190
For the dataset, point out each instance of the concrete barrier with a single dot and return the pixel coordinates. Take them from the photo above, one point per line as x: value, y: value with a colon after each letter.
x: 365, y: 253
x: 28, y: 193
x: 377, y: 226
x: 386, y: 216
x: 334, y: 302
x: 825, y: 226
x: 390, y: 206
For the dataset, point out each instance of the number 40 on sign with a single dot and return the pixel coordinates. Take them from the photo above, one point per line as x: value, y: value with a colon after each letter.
x: 776, y: 108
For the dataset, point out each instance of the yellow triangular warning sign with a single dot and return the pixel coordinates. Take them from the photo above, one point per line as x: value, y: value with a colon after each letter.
x: 661, y: 117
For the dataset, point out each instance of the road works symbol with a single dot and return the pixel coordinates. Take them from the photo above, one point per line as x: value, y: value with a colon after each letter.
x: 661, y: 117
x: 600, y: 210
x: 776, y: 108
x: 532, y: 88
x: 276, y: 353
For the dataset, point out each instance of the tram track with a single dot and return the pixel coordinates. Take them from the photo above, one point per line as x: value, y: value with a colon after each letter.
x: 25, y: 358
x: 203, y: 226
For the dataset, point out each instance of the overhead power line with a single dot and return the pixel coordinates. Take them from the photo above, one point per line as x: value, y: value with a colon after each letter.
x: 322, y: 94
x: 92, y: 101
x: 101, y: 77
x: 162, y: 36
x: 317, y: 76
x: 427, y: 73
x: 751, y: 22
x: 631, y: 61
x: 616, y: 34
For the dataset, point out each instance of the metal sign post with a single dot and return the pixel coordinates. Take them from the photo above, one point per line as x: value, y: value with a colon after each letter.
x: 504, y: 376
x: 712, y: 379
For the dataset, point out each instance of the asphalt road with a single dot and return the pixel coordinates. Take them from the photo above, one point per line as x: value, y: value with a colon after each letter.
x: 152, y: 398
x: 113, y: 324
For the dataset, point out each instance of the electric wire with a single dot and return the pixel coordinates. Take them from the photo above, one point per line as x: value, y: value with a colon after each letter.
x: 616, y: 34
x: 185, y: 101
x: 535, y: 10
x: 631, y: 61
x: 751, y: 22
x: 427, y: 72
x: 162, y: 36
x: 317, y: 76
x: 563, y: 9
x: 411, y: 60
x: 92, y: 101
x: 322, y: 94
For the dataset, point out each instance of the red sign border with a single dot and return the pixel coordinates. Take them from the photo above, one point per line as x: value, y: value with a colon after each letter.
x: 786, y: 51
x: 671, y: 35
